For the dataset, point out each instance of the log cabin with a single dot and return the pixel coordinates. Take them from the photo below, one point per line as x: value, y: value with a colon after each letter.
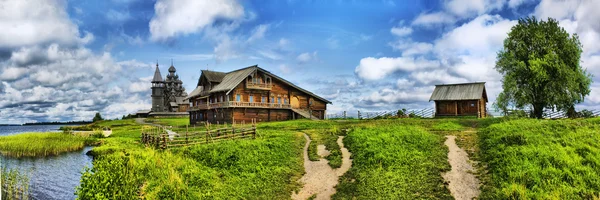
x: 251, y: 93
x: 463, y: 99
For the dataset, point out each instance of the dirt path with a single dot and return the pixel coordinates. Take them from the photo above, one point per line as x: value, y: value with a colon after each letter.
x: 462, y: 183
x: 320, y: 178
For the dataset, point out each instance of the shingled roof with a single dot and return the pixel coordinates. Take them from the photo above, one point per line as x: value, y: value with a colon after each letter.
x: 232, y: 79
x: 460, y: 91
x: 213, y: 76
x: 157, y: 76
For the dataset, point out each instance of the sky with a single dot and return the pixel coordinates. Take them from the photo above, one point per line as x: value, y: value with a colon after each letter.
x: 66, y: 60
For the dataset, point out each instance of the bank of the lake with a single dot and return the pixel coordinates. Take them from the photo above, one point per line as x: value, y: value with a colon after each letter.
x: 52, y: 176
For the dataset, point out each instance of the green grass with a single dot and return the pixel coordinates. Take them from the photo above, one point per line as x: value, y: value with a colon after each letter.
x: 41, y: 144
x: 541, y: 159
x: 264, y: 168
x: 13, y: 184
x: 394, y: 161
x: 447, y: 126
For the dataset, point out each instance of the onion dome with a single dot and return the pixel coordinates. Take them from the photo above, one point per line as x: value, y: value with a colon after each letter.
x: 179, y: 81
x: 172, y: 69
x: 176, y: 76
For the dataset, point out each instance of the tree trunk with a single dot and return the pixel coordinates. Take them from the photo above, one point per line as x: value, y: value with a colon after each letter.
x: 538, y: 111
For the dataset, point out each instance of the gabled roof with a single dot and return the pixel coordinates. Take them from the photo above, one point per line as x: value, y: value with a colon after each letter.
x: 460, y: 91
x: 232, y: 79
x: 195, y: 92
x: 213, y: 76
x: 157, y: 76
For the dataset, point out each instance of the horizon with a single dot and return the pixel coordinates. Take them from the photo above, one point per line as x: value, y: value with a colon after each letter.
x: 67, y: 60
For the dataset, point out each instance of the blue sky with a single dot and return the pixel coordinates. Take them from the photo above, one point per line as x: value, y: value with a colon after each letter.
x: 66, y: 60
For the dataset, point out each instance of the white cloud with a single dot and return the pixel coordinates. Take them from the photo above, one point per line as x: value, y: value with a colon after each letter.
x: 283, y: 43
x: 430, y: 19
x: 12, y: 73
x: 404, y: 83
x: 516, y: 3
x: 436, y: 77
x: 377, y: 68
x: 401, y: 31
x: 258, y: 33
x: 410, y: 48
x: 307, y: 57
x: 182, y: 17
x: 117, y: 16
x: 469, y: 8
x: 483, y: 35
x: 43, y: 22
x: 284, y: 69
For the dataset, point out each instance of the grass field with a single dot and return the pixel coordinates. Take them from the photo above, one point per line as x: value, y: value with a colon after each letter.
x: 392, y: 159
x: 41, y: 144
x: 540, y: 159
x: 264, y: 168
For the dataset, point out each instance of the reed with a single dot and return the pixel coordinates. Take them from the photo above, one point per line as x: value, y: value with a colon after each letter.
x: 40, y: 144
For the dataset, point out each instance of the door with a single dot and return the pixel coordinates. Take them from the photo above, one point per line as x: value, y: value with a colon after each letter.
x: 295, y: 102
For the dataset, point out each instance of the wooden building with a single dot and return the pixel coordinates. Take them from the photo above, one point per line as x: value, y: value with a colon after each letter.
x: 251, y: 93
x: 463, y: 99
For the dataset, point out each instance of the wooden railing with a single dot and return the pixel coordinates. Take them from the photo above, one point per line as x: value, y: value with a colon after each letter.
x: 160, y: 138
x: 259, y: 86
x: 238, y: 104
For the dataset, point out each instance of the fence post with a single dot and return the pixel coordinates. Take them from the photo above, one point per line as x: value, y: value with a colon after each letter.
x: 186, y: 134
x: 164, y: 142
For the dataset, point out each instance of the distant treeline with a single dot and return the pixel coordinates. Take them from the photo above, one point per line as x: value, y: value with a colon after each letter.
x: 57, y: 123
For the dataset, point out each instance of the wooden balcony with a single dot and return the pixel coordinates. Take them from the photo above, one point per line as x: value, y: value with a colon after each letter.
x: 259, y: 86
x: 237, y: 104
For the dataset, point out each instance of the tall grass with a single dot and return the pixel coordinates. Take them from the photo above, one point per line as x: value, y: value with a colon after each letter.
x: 394, y: 161
x: 40, y: 144
x: 540, y: 159
x: 13, y: 184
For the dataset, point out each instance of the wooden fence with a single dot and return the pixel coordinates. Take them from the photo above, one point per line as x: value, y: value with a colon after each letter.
x: 164, y: 137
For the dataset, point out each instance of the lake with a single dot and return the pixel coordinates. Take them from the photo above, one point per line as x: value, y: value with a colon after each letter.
x: 53, y: 177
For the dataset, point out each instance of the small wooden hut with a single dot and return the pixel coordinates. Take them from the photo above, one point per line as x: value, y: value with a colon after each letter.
x: 463, y: 99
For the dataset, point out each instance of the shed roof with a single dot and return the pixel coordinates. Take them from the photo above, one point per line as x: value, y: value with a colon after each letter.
x: 460, y: 91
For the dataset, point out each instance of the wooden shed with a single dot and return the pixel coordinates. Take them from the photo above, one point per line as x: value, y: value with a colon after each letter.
x: 462, y: 99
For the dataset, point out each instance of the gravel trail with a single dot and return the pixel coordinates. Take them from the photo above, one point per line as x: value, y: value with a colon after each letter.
x: 320, y: 178
x: 462, y: 183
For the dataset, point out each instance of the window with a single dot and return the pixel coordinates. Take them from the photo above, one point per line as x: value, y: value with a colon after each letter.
x: 238, y: 97
x: 272, y: 99
x: 264, y: 99
x: 285, y: 101
x: 251, y: 98
x: 279, y: 100
x: 221, y: 98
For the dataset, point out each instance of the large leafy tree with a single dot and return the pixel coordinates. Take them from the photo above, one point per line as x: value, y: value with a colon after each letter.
x: 540, y: 63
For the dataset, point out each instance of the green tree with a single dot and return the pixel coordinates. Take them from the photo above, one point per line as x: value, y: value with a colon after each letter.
x: 97, y: 118
x: 540, y: 63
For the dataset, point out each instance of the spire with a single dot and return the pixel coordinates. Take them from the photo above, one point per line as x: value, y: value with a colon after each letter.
x: 157, y: 76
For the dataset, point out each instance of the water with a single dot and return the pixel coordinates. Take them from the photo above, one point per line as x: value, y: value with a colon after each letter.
x: 11, y: 130
x: 53, y: 177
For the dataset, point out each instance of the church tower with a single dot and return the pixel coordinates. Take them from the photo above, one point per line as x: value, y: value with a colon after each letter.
x: 158, y: 95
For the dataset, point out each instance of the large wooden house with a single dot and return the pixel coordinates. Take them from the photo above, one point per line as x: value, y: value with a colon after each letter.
x: 463, y: 99
x: 251, y: 93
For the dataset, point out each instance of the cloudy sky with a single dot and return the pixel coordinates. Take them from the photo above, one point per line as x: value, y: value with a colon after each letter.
x: 65, y: 60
